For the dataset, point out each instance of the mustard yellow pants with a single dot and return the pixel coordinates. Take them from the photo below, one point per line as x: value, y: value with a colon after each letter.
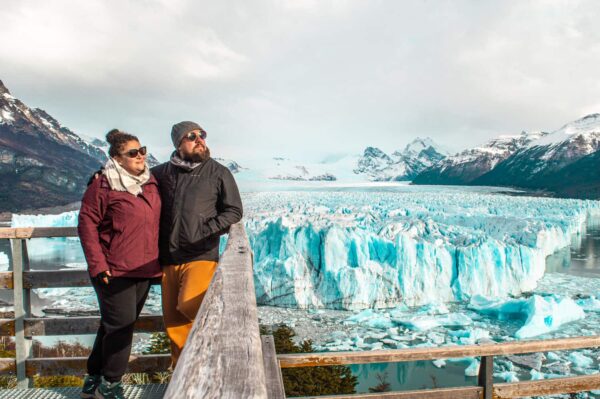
x: 183, y: 289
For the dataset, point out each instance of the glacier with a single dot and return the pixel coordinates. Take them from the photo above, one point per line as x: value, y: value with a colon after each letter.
x: 411, y: 245
x: 358, y: 250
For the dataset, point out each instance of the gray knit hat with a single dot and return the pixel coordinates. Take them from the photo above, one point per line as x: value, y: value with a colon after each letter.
x: 180, y: 129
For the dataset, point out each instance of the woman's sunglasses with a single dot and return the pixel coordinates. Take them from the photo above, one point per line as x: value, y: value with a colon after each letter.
x: 133, y: 153
x: 192, y: 136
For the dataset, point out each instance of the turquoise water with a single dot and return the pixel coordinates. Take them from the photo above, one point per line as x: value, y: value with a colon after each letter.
x: 411, y: 375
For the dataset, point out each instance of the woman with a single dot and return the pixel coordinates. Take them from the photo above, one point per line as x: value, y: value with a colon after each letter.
x: 118, y: 228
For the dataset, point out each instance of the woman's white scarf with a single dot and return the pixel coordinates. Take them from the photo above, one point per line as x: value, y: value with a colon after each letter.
x: 121, y: 180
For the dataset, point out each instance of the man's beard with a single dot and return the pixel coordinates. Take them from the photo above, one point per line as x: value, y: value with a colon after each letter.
x: 197, y: 156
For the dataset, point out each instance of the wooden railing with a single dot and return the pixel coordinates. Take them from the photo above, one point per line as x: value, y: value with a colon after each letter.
x: 485, y: 389
x: 24, y: 326
x: 225, y: 356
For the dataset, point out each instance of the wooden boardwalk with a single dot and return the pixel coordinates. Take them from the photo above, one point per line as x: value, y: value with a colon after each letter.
x: 150, y: 391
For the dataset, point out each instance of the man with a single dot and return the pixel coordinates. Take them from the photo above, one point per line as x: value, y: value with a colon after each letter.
x: 200, y: 200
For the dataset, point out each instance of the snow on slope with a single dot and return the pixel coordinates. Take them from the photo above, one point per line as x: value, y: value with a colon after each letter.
x: 575, y: 139
x: 495, y: 150
x: 588, y: 125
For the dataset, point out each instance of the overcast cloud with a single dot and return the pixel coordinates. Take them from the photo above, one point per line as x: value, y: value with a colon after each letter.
x: 304, y: 79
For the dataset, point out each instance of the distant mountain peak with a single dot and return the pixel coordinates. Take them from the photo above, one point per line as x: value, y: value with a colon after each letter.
x: 374, y: 152
x: 3, y: 89
x: 591, y: 121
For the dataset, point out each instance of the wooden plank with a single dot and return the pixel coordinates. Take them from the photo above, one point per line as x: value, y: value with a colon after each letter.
x: 551, y: 386
x: 77, y: 365
x: 438, y: 393
x: 84, y: 325
x: 22, y: 308
x: 7, y: 327
x: 442, y: 352
x: 486, y: 376
x: 37, y: 232
x: 223, y: 357
x: 56, y: 279
x: 274, y: 379
x: 13, y: 233
x: 6, y: 280
x: 8, y: 366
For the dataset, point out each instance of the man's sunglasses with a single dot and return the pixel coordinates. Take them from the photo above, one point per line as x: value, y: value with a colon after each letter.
x: 133, y: 153
x: 192, y: 136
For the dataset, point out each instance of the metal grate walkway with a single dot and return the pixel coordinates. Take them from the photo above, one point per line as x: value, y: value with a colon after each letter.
x: 151, y: 391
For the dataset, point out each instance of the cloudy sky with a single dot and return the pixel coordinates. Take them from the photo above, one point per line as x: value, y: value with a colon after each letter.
x: 304, y: 79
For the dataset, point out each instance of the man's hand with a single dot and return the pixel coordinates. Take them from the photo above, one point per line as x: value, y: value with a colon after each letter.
x: 95, y: 176
x: 103, y: 276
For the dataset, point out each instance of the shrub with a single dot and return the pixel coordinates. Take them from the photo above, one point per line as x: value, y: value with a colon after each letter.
x: 307, y: 381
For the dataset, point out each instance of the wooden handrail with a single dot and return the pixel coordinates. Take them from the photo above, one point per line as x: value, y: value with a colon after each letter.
x: 78, y: 325
x: 440, y: 352
x: 23, y: 326
x: 37, y: 232
x: 223, y: 356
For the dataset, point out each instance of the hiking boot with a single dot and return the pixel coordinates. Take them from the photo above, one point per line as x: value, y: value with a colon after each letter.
x: 90, y: 383
x: 110, y: 390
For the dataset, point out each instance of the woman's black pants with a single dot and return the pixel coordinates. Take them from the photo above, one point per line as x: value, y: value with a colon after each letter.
x: 121, y: 302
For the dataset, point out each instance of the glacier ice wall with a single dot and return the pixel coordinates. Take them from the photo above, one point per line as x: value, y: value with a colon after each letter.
x: 360, y: 250
x: 355, y: 250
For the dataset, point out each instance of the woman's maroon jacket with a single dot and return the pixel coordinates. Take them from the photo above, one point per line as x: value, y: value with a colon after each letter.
x: 119, y: 231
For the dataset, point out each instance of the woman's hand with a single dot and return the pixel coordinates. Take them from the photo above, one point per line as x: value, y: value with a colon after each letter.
x: 103, y: 276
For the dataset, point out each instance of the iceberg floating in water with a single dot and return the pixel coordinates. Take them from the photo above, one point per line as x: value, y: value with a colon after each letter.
x: 541, y: 315
x: 546, y: 314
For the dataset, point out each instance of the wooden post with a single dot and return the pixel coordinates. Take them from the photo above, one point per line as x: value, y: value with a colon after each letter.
x: 22, y: 306
x: 274, y: 379
x: 486, y: 376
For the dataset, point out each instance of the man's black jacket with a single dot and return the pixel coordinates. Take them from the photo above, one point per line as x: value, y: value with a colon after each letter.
x: 197, y: 207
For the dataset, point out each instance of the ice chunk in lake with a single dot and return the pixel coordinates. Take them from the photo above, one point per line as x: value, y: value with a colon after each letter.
x: 580, y: 360
x: 588, y: 304
x: 427, y: 322
x: 541, y: 315
x: 546, y: 314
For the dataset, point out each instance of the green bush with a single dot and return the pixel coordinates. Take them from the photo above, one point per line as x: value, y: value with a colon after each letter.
x: 307, y: 381
x: 159, y: 343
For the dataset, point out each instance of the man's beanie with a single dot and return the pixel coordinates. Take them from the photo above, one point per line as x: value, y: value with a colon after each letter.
x: 180, y: 129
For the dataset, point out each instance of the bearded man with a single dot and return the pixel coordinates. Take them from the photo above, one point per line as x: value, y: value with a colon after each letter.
x: 200, y: 200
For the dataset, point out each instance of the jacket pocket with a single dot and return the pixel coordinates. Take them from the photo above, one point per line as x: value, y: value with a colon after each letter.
x: 190, y: 231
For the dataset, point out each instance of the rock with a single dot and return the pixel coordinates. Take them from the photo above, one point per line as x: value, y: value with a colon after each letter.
x: 533, y: 361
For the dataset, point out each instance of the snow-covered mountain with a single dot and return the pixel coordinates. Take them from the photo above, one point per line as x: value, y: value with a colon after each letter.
x: 535, y: 165
x: 42, y: 163
x: 232, y: 165
x: 372, y: 165
x: 564, y: 161
x: 402, y: 164
x: 469, y: 164
x: 104, y: 146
